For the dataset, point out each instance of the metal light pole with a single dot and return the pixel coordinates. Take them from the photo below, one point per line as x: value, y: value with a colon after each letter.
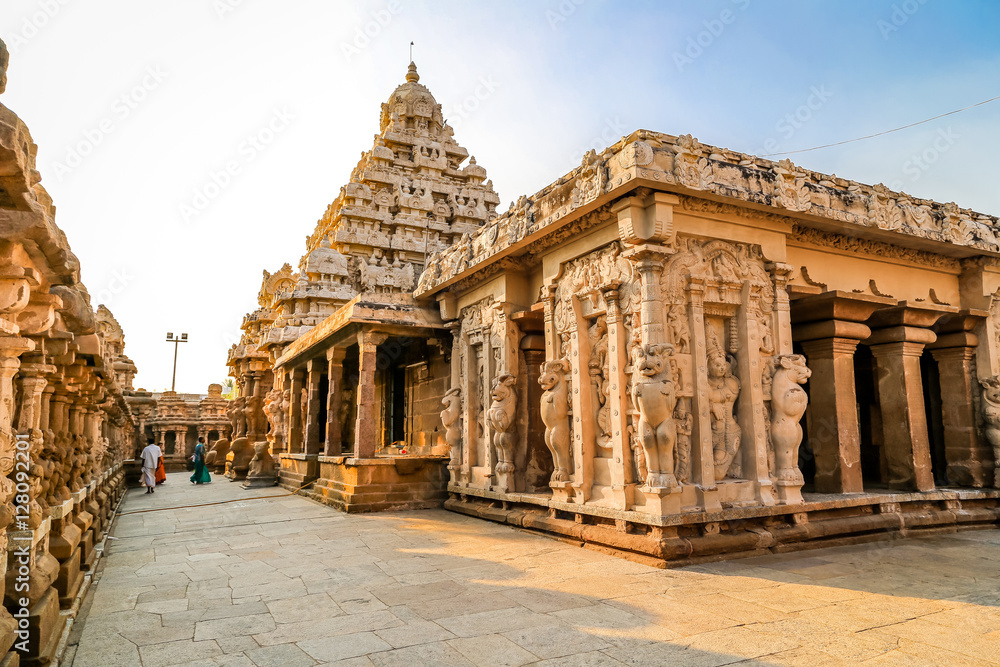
x: 182, y: 338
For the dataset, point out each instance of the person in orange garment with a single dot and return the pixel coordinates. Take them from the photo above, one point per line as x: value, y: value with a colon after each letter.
x: 161, y: 473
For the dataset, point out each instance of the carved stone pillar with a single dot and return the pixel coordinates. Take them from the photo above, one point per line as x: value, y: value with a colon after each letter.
x: 897, y: 342
x: 702, y: 451
x: 295, y: 415
x: 334, y: 398
x: 583, y: 409
x: 969, y: 460
x: 367, y: 429
x: 313, y: 400
x: 829, y: 327
x: 622, y: 479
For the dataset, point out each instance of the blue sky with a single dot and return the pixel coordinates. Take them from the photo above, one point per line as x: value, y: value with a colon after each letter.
x: 189, y: 145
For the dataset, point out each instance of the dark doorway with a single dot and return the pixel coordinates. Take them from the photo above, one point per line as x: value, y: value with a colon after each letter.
x: 931, y: 385
x: 873, y: 469
x: 324, y: 391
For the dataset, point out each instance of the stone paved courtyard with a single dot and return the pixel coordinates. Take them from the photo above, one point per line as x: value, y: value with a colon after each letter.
x: 287, y: 582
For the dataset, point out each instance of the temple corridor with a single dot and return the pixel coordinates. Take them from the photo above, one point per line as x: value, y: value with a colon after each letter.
x: 287, y: 581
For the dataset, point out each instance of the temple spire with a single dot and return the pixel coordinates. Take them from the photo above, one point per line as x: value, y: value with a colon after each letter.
x: 411, y: 73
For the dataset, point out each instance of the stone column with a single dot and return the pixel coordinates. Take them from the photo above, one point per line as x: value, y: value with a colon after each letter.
x: 969, y: 460
x: 897, y: 342
x: 367, y: 427
x: 313, y: 400
x: 702, y: 451
x: 295, y: 412
x: 335, y: 380
x: 623, y: 480
x: 829, y: 327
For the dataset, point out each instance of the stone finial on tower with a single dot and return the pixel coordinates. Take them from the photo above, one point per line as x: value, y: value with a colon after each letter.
x: 411, y: 73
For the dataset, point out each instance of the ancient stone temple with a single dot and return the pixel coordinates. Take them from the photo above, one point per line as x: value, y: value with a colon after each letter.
x: 676, y: 336
x: 65, y: 425
x: 351, y: 369
x: 675, y: 350
x: 176, y: 421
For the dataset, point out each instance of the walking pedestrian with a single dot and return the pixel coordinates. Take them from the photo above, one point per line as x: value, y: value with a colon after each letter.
x: 151, y: 456
x: 200, y: 475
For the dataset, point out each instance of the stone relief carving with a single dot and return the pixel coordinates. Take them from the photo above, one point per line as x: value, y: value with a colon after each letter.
x: 790, y: 187
x: 690, y: 167
x: 788, y: 404
x: 451, y: 418
x: 991, y: 420
x: 501, y: 416
x: 555, y: 415
x: 654, y: 393
x: 724, y: 389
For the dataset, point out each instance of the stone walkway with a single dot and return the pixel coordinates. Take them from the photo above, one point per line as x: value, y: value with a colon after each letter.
x: 287, y: 582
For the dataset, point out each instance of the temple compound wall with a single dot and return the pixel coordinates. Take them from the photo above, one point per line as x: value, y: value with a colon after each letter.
x: 175, y: 421
x: 65, y: 424
x: 680, y: 351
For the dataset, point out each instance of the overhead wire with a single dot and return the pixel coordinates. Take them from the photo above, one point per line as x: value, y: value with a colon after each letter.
x: 879, y: 134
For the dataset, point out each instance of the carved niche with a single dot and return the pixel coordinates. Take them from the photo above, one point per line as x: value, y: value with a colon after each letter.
x: 582, y: 306
x: 729, y: 285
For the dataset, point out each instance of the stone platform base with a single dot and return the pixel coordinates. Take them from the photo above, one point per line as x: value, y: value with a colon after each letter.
x: 259, y: 482
x: 374, y: 485
x: 297, y: 469
x: 685, y: 539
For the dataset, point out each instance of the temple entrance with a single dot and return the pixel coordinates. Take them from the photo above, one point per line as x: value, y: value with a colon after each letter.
x: 931, y: 381
x: 324, y: 389
x: 873, y: 466
x: 169, y: 444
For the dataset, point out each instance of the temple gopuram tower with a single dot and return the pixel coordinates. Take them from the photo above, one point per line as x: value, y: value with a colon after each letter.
x: 415, y: 192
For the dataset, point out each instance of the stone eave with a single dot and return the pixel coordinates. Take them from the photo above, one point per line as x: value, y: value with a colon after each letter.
x: 683, y: 166
x: 391, y: 313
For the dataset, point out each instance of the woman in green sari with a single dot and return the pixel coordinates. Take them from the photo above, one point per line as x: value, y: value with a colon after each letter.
x: 200, y: 475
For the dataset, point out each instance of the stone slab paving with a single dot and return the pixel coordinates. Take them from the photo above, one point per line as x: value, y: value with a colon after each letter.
x: 287, y: 582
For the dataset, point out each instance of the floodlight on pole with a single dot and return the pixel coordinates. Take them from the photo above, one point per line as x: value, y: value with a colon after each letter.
x: 176, y: 340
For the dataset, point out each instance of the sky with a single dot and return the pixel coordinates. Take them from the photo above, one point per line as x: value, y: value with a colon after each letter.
x: 191, y: 144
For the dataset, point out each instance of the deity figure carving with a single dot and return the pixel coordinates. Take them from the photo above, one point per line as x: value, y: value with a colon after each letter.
x: 654, y: 393
x: 451, y: 418
x: 217, y: 456
x: 238, y: 459
x: 555, y: 416
x: 237, y: 417
x: 272, y: 410
x: 262, y: 463
x: 501, y: 417
x: 678, y: 329
x: 723, y: 390
x: 685, y: 427
x: 253, y: 412
x: 598, y: 366
x: 991, y: 420
x: 788, y: 404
